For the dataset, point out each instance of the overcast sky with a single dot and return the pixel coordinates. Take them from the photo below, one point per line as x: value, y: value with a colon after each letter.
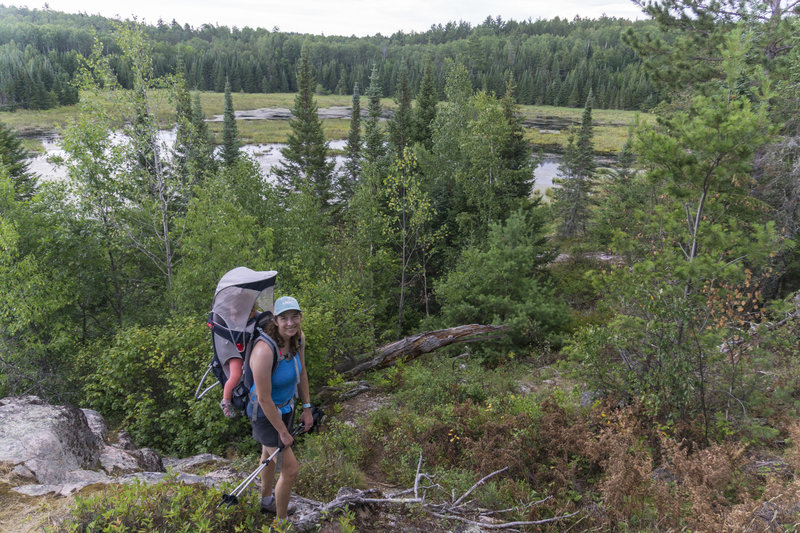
x: 339, y: 17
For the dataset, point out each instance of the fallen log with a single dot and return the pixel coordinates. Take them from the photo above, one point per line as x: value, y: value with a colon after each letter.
x: 412, y: 347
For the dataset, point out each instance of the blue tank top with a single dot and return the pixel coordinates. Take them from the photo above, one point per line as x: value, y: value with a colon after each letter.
x: 284, y: 386
x: 284, y: 382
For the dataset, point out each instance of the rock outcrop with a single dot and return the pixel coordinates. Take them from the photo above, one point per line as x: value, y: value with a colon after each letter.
x: 47, y: 449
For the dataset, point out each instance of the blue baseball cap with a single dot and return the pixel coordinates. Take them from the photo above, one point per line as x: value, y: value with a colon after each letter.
x: 286, y: 303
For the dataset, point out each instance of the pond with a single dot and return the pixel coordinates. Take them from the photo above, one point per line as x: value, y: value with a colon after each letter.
x: 266, y: 155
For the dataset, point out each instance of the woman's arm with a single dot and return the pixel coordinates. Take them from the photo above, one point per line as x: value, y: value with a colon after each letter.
x: 261, y: 364
x: 302, y: 388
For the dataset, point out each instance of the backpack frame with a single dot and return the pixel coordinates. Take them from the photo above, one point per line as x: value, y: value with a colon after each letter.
x: 237, y: 293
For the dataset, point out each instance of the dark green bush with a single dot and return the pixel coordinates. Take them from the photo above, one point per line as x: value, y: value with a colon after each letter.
x: 145, y: 382
x: 166, y: 507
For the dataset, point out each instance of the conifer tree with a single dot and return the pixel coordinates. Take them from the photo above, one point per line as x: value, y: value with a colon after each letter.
x: 15, y: 161
x: 573, y: 199
x: 352, y: 166
x: 205, y: 145
x: 230, y: 140
x: 401, y: 125
x: 305, y: 166
x: 373, y: 135
x: 425, y: 111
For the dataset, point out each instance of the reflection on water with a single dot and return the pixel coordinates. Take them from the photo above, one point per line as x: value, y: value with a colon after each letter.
x: 266, y: 155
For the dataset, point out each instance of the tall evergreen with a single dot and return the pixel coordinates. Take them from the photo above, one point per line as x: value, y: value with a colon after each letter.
x: 573, y: 199
x: 230, y: 136
x: 305, y: 166
x: 352, y: 165
x: 14, y: 159
x: 425, y: 111
x: 204, y: 140
x: 374, y: 147
x: 401, y: 125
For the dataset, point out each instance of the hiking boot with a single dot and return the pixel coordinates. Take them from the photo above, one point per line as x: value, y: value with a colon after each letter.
x: 228, y: 409
x: 268, y: 506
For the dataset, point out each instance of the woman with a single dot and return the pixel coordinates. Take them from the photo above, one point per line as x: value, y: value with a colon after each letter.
x: 276, y: 392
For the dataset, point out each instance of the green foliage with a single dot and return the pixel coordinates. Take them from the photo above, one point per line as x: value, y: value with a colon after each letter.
x: 373, y: 133
x: 407, y: 224
x: 347, y: 181
x: 230, y: 136
x: 218, y: 236
x: 425, y: 112
x: 15, y: 161
x: 402, y: 123
x: 165, y: 506
x: 555, y: 61
x: 145, y: 379
x: 692, y: 262
x: 305, y: 167
x: 575, y: 196
x: 332, y: 460
x: 337, y: 322
x: 502, y: 282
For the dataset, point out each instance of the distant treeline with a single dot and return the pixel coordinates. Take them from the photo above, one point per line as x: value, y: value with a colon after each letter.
x: 554, y: 62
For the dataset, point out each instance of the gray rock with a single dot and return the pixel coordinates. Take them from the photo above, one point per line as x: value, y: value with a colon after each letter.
x: 124, y: 440
x: 23, y: 472
x: 37, y: 490
x: 96, y: 424
x: 62, y: 449
x: 117, y: 461
x: 203, y: 460
x: 49, y: 441
x: 143, y: 477
x: 588, y: 398
x: 149, y: 460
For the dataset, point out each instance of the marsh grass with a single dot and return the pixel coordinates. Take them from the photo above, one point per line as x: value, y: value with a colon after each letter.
x: 611, y: 126
x: 277, y: 131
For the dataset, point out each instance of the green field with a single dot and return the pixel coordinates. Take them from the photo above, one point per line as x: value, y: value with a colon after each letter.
x: 611, y: 126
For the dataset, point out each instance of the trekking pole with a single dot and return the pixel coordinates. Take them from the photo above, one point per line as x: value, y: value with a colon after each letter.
x: 233, y: 497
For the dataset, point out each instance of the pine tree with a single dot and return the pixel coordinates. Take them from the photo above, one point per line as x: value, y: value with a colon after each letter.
x: 352, y: 166
x: 230, y: 141
x: 574, y: 197
x: 401, y: 125
x: 15, y: 161
x: 205, y: 145
x: 305, y: 167
x: 425, y: 111
x: 373, y: 135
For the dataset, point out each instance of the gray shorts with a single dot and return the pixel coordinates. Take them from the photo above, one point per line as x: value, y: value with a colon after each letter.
x: 266, y: 434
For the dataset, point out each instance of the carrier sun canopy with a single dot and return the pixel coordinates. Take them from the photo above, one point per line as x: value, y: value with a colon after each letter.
x: 237, y: 292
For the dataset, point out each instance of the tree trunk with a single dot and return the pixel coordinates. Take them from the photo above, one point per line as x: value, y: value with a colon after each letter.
x: 412, y: 347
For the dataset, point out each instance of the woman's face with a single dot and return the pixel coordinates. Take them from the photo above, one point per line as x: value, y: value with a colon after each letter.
x: 289, y: 323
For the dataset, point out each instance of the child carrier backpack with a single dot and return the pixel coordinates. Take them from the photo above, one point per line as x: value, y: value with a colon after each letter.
x: 233, y: 332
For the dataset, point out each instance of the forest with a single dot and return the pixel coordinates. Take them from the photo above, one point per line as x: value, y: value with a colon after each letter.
x: 554, y: 62
x: 646, y: 375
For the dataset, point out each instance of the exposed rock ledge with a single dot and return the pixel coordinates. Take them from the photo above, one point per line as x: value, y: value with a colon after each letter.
x: 47, y: 449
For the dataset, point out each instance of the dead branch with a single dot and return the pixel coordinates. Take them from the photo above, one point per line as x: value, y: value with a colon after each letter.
x: 310, y: 513
x: 412, y: 347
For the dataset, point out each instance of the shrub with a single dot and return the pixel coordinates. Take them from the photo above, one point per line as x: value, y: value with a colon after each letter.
x: 165, y: 506
x: 145, y: 382
x: 503, y: 282
x: 331, y: 460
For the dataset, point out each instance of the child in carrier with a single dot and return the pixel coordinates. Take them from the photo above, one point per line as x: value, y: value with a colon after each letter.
x: 231, y: 358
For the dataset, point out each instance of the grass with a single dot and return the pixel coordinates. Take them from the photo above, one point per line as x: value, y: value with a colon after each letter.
x: 611, y: 126
x: 277, y: 131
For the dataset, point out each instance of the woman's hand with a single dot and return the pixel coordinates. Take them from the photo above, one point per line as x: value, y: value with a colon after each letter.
x: 307, y: 418
x: 286, y: 438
